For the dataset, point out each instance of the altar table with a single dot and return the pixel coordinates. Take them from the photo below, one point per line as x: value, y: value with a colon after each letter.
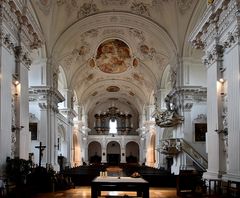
x: 139, y: 185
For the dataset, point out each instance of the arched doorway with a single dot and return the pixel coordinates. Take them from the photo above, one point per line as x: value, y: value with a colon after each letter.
x: 113, y: 153
x: 61, y: 141
x: 94, y: 152
x: 132, y: 152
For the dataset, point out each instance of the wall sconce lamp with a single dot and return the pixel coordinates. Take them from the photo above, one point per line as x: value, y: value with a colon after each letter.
x: 221, y: 80
x: 223, y: 131
x: 16, y: 82
x: 16, y: 79
x: 220, y: 74
x: 17, y: 128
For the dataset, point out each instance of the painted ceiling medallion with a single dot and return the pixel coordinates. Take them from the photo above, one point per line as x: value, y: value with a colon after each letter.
x: 147, y: 51
x: 90, y: 77
x: 131, y: 93
x: 94, y: 93
x: 137, y: 77
x: 113, y: 89
x: 83, y: 50
x: 135, y: 62
x: 144, y: 49
x: 91, y: 63
x: 113, y: 56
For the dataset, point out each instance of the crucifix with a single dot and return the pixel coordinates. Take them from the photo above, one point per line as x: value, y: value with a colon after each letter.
x: 41, y: 149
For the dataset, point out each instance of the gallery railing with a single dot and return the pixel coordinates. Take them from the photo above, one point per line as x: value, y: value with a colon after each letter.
x: 106, y: 132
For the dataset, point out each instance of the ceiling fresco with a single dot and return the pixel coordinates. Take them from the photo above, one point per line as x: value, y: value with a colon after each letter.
x: 115, y: 49
x: 113, y: 56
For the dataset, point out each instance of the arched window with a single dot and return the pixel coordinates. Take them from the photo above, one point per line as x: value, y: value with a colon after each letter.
x: 113, y: 126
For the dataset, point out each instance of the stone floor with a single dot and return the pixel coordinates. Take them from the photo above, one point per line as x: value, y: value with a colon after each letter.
x: 85, y: 192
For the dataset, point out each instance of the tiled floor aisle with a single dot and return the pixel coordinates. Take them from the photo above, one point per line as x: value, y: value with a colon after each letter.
x: 85, y: 192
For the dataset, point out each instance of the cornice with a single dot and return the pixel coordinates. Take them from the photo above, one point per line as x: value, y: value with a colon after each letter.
x: 194, y: 93
x: 19, y: 22
x: 44, y: 92
x: 210, y: 27
x: 216, y: 54
x: 69, y: 112
x: 62, y: 119
x: 10, y: 44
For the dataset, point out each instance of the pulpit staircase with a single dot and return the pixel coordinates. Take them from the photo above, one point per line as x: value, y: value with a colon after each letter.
x: 173, y: 146
x: 194, y: 155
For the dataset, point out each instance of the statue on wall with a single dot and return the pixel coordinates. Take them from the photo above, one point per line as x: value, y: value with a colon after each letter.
x: 173, y: 78
x: 171, y: 116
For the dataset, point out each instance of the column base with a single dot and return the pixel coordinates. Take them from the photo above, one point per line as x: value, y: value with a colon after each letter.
x: 231, y: 177
x: 212, y: 175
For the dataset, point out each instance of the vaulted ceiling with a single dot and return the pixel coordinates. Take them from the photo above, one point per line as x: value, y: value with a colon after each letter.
x: 116, y: 50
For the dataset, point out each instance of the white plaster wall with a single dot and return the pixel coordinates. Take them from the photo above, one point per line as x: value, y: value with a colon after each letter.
x: 195, y: 74
x: 34, y: 109
x: 37, y: 74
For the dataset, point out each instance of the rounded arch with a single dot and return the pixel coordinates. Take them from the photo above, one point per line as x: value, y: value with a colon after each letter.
x: 132, y: 152
x: 94, y: 152
x: 61, y: 84
x: 113, y: 153
x: 62, y: 81
x: 165, y: 82
x: 61, y: 141
x: 187, y: 49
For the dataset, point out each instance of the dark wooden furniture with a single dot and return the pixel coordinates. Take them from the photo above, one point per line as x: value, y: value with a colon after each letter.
x: 139, y: 185
x: 214, y: 186
x: 233, y: 189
